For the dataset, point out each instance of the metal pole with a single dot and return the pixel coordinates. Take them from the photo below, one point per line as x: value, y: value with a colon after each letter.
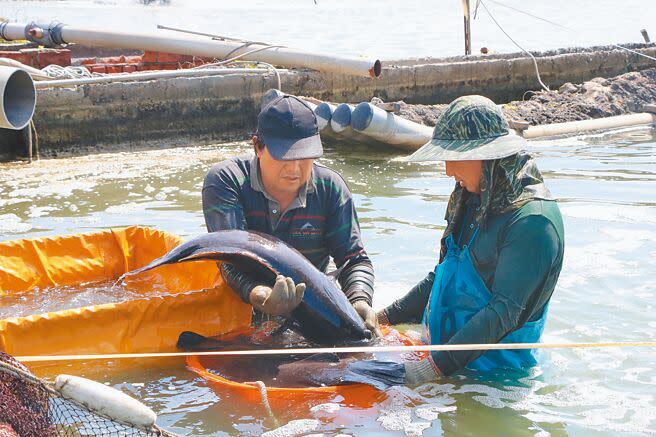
x: 465, y: 5
x: 645, y: 35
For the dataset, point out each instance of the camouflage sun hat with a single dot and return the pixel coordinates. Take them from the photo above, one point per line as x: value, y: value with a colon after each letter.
x: 471, y: 128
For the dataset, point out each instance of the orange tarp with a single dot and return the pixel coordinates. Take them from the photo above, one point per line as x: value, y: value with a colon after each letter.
x: 196, y: 298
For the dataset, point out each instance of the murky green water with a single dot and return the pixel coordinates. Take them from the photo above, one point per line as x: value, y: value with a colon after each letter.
x: 606, y: 188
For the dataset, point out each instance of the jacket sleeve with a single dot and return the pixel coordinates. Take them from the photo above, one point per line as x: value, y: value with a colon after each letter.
x: 223, y: 210
x: 240, y: 282
x: 222, y: 205
x: 410, y: 308
x: 530, y: 249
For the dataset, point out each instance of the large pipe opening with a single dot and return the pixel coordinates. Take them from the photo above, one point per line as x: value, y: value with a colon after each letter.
x: 18, y: 98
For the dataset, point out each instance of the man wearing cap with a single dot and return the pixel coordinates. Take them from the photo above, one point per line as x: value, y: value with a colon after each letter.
x: 500, y: 254
x: 281, y: 191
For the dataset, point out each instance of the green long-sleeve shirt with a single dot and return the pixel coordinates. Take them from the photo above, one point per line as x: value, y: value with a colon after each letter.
x: 518, y: 255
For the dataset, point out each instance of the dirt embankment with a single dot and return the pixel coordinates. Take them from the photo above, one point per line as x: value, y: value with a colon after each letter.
x: 596, y: 98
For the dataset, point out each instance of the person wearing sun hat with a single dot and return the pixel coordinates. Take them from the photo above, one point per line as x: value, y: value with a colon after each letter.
x: 500, y: 254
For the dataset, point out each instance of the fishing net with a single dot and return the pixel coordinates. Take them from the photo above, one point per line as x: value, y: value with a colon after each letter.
x: 31, y: 407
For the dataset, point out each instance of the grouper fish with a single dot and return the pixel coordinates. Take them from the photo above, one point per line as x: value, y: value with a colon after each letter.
x: 324, y: 316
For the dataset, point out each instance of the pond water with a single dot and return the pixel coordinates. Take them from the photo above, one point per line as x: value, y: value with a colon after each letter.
x: 605, y: 185
x: 37, y: 300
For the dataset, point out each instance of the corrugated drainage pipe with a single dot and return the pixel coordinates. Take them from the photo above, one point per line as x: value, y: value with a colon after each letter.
x: 388, y: 128
x: 17, y: 98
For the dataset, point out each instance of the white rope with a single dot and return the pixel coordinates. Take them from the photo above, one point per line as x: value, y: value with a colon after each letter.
x: 342, y: 350
x: 238, y: 57
x: 535, y: 63
x: 265, y: 400
x: 565, y: 27
x: 70, y: 72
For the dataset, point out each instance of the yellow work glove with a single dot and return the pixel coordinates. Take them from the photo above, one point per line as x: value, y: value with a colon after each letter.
x: 368, y: 314
x: 278, y: 300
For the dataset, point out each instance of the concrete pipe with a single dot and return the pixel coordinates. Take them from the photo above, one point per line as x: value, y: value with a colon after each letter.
x: 388, y: 128
x: 17, y: 98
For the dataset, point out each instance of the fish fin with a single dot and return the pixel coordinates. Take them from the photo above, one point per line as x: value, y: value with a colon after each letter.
x: 192, y: 341
x: 335, y: 273
x: 380, y: 374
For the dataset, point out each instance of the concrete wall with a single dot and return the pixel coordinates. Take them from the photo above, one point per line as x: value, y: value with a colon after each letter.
x: 169, y: 112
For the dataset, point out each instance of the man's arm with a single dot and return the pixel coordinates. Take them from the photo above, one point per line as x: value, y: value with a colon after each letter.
x: 529, y: 251
x: 223, y: 210
x: 222, y: 206
x: 345, y: 246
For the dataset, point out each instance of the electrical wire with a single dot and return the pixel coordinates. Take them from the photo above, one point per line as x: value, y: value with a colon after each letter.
x: 535, y: 62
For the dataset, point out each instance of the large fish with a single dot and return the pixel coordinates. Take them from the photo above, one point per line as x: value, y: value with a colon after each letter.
x: 324, y: 316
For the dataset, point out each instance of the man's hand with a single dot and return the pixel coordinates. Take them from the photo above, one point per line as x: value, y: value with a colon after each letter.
x: 368, y: 314
x: 279, y: 300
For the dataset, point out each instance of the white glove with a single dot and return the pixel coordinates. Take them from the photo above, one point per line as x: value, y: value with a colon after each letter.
x: 420, y: 372
x: 279, y: 300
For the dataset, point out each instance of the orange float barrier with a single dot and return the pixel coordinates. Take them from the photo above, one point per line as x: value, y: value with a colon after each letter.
x: 360, y: 395
x: 175, y: 298
x: 170, y: 300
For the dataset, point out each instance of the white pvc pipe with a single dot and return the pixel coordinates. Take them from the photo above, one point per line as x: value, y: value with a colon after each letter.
x: 324, y: 113
x: 574, y: 127
x: 34, y: 72
x: 270, y: 96
x: 171, y: 42
x: 340, y: 126
x: 17, y: 98
x: 341, y: 118
x: 388, y: 128
x: 132, y: 77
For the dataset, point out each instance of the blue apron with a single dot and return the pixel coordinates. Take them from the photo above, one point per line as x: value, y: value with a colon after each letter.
x: 458, y: 293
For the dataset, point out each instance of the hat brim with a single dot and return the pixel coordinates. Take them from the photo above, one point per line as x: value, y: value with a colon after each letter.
x: 469, y: 150
x: 290, y: 149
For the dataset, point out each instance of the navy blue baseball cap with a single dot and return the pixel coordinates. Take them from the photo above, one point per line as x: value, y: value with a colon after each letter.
x: 288, y: 128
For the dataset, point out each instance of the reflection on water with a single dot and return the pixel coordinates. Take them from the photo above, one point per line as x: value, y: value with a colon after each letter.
x: 38, y: 301
x: 605, y: 186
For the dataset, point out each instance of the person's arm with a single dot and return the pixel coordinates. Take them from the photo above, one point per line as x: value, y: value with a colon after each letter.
x: 223, y: 210
x: 529, y: 250
x: 345, y: 246
x: 409, y: 308
x: 222, y: 205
